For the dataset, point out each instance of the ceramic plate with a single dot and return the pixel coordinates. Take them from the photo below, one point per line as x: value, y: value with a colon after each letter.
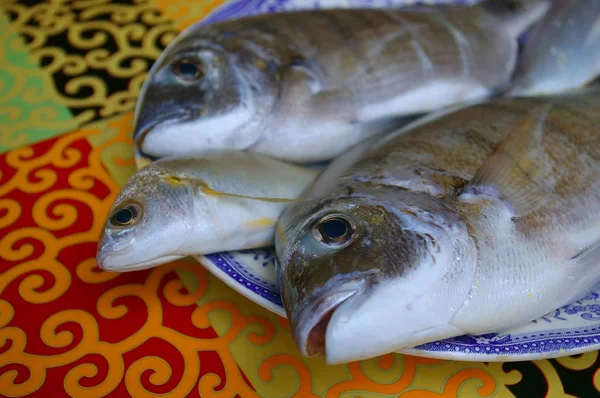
x: 567, y: 331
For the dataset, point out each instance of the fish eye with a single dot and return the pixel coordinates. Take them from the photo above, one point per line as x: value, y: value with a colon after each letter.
x: 188, y: 70
x: 125, y: 216
x: 334, y: 230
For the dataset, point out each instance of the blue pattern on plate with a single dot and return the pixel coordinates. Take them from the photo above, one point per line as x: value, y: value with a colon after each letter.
x: 229, y: 263
x: 265, y: 256
x: 584, y: 333
x: 540, y: 341
x: 574, y: 327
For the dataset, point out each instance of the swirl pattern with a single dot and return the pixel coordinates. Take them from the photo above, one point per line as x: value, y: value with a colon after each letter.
x: 96, y: 51
x: 63, y: 319
x: 27, y: 100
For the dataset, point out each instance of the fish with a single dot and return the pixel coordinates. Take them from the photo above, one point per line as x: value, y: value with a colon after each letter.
x: 472, y: 220
x: 305, y: 86
x: 181, y: 206
x: 562, y: 51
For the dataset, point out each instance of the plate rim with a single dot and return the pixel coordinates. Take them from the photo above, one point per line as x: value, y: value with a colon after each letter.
x: 244, y: 290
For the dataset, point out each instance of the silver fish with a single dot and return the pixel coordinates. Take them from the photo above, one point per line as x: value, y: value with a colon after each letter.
x: 277, y: 84
x: 176, y: 207
x: 562, y: 52
x: 473, y: 221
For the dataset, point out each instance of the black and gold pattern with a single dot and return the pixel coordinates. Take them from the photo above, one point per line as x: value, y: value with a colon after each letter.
x: 98, y: 51
x: 572, y: 376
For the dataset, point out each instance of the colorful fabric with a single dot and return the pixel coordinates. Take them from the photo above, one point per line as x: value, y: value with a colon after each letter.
x: 70, y: 73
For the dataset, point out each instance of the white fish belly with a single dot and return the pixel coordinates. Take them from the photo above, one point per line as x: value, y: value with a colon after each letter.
x: 428, y: 97
x: 302, y: 142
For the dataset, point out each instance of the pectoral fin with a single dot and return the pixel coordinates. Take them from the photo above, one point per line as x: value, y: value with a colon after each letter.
x: 512, y: 171
x: 305, y: 88
x: 589, y: 257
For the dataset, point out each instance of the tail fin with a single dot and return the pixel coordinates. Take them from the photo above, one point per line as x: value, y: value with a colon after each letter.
x: 517, y: 15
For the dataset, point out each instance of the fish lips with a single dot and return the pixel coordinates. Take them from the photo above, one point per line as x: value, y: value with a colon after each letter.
x: 142, y: 129
x: 114, y: 256
x: 105, y: 264
x: 309, y: 327
x: 107, y: 247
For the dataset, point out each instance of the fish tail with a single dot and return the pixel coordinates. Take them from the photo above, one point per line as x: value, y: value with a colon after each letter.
x: 517, y: 15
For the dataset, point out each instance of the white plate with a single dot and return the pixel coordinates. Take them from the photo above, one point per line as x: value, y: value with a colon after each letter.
x: 567, y: 331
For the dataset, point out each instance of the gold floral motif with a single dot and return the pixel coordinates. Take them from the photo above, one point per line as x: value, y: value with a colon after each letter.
x: 50, y: 215
x: 11, y: 210
x: 579, y: 362
x: 28, y: 108
x: 116, y: 146
x: 123, y: 46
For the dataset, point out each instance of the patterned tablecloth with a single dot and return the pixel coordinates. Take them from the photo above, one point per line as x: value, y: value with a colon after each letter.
x: 70, y: 71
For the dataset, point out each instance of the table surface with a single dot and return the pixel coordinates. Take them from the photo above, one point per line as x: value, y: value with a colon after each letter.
x: 70, y: 72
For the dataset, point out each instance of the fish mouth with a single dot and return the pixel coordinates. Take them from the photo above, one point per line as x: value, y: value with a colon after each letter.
x: 144, y: 127
x: 112, y: 257
x: 140, y: 134
x: 104, y: 265
x: 310, y: 329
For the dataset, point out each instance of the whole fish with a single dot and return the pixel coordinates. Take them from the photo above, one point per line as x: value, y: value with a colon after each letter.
x: 562, y: 52
x: 473, y: 221
x: 305, y: 86
x: 176, y: 207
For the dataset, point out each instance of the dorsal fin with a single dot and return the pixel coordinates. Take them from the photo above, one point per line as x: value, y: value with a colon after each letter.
x: 511, y: 172
x: 588, y: 257
x: 517, y: 15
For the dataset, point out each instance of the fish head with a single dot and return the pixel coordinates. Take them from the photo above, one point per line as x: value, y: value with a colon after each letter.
x: 371, y: 272
x: 200, y: 95
x: 148, y: 222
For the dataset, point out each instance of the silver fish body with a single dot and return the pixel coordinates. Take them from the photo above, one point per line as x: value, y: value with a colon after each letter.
x: 176, y: 207
x: 471, y: 222
x: 562, y: 52
x: 277, y: 84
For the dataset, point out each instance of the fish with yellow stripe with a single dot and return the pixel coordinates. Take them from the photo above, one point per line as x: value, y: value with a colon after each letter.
x: 175, y: 207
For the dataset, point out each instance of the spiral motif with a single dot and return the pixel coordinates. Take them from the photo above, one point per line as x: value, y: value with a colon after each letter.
x: 85, y: 334
x: 99, y: 38
x: 50, y: 215
x: 17, y: 245
x: 103, y: 384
